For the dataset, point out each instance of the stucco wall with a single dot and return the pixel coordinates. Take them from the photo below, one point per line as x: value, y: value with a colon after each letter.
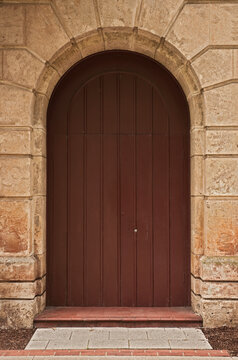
x: 198, y: 42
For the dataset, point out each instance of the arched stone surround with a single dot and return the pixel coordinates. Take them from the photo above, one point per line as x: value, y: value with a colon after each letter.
x: 37, y: 51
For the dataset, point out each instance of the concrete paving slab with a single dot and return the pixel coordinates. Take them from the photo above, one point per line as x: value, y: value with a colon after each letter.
x: 137, y: 334
x: 37, y: 344
x: 118, y: 334
x: 52, y: 333
x: 189, y: 344
x: 108, y: 344
x: 101, y: 338
x: 174, y: 333
x: 149, y: 344
x: 60, y: 344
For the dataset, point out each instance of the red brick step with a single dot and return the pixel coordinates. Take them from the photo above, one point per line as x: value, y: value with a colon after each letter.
x: 118, y: 316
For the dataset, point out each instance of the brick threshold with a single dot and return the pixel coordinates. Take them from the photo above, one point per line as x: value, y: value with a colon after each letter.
x: 118, y: 316
x: 116, y: 352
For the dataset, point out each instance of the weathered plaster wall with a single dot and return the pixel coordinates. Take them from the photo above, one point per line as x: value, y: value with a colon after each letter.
x: 197, y: 40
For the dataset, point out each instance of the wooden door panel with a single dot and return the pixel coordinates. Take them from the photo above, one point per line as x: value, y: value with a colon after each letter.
x: 118, y: 185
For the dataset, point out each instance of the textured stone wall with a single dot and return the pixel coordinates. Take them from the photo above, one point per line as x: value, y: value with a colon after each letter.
x: 197, y: 40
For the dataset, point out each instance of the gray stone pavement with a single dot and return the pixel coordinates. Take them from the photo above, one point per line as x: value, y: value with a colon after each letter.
x: 118, y: 338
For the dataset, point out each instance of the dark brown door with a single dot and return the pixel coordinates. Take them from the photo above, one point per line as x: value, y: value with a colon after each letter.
x: 118, y: 185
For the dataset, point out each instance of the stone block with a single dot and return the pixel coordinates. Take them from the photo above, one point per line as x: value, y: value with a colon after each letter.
x: 1, y: 62
x: 40, y: 110
x: 216, y: 290
x: 15, y: 237
x: 224, y: 16
x: 156, y: 15
x: 21, y: 67
x: 224, y: 268
x: 195, y: 285
x: 196, y: 108
x: 21, y: 290
x: 118, y: 13
x: 221, y: 223
x: 11, y: 25
x: 117, y: 38
x: 14, y: 112
x: 91, y: 44
x: 197, y: 141
x: 221, y: 106
x: 220, y: 313
x: 47, y: 80
x: 196, y: 303
x: 17, y: 268
x: 39, y: 224
x: 235, y: 63
x: 195, y: 264
x: 197, y: 225
x: 214, y: 66
x: 187, y: 78
x: 190, y: 32
x: 169, y: 56
x: 45, y: 34
x: 15, y: 141
x: 41, y: 265
x: 145, y: 43
x: 222, y: 142
x: 221, y: 176
x: 197, y: 175
x: 39, y: 175
x: 66, y: 57
x: 18, y: 313
x: 39, y: 142
x: 15, y: 176
x: 78, y: 15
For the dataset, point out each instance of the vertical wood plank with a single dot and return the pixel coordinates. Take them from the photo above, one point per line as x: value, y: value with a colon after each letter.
x: 92, y: 261
x: 128, y: 220
x: 127, y: 105
x: 93, y: 107
x: 161, y: 253
x: 143, y: 107
x: 144, y: 221
x: 76, y: 220
x: 110, y: 222
x: 76, y: 115
x: 110, y: 109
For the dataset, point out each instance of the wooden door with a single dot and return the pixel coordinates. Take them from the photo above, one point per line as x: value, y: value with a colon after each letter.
x: 118, y: 185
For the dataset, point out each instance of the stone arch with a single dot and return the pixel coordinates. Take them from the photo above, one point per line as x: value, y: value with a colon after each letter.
x: 159, y: 49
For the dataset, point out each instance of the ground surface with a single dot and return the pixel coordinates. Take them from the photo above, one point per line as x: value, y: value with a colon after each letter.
x: 219, y: 338
x: 223, y: 338
x: 15, y: 339
x: 118, y: 338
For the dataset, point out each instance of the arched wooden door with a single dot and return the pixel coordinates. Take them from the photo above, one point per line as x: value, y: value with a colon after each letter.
x: 118, y: 185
